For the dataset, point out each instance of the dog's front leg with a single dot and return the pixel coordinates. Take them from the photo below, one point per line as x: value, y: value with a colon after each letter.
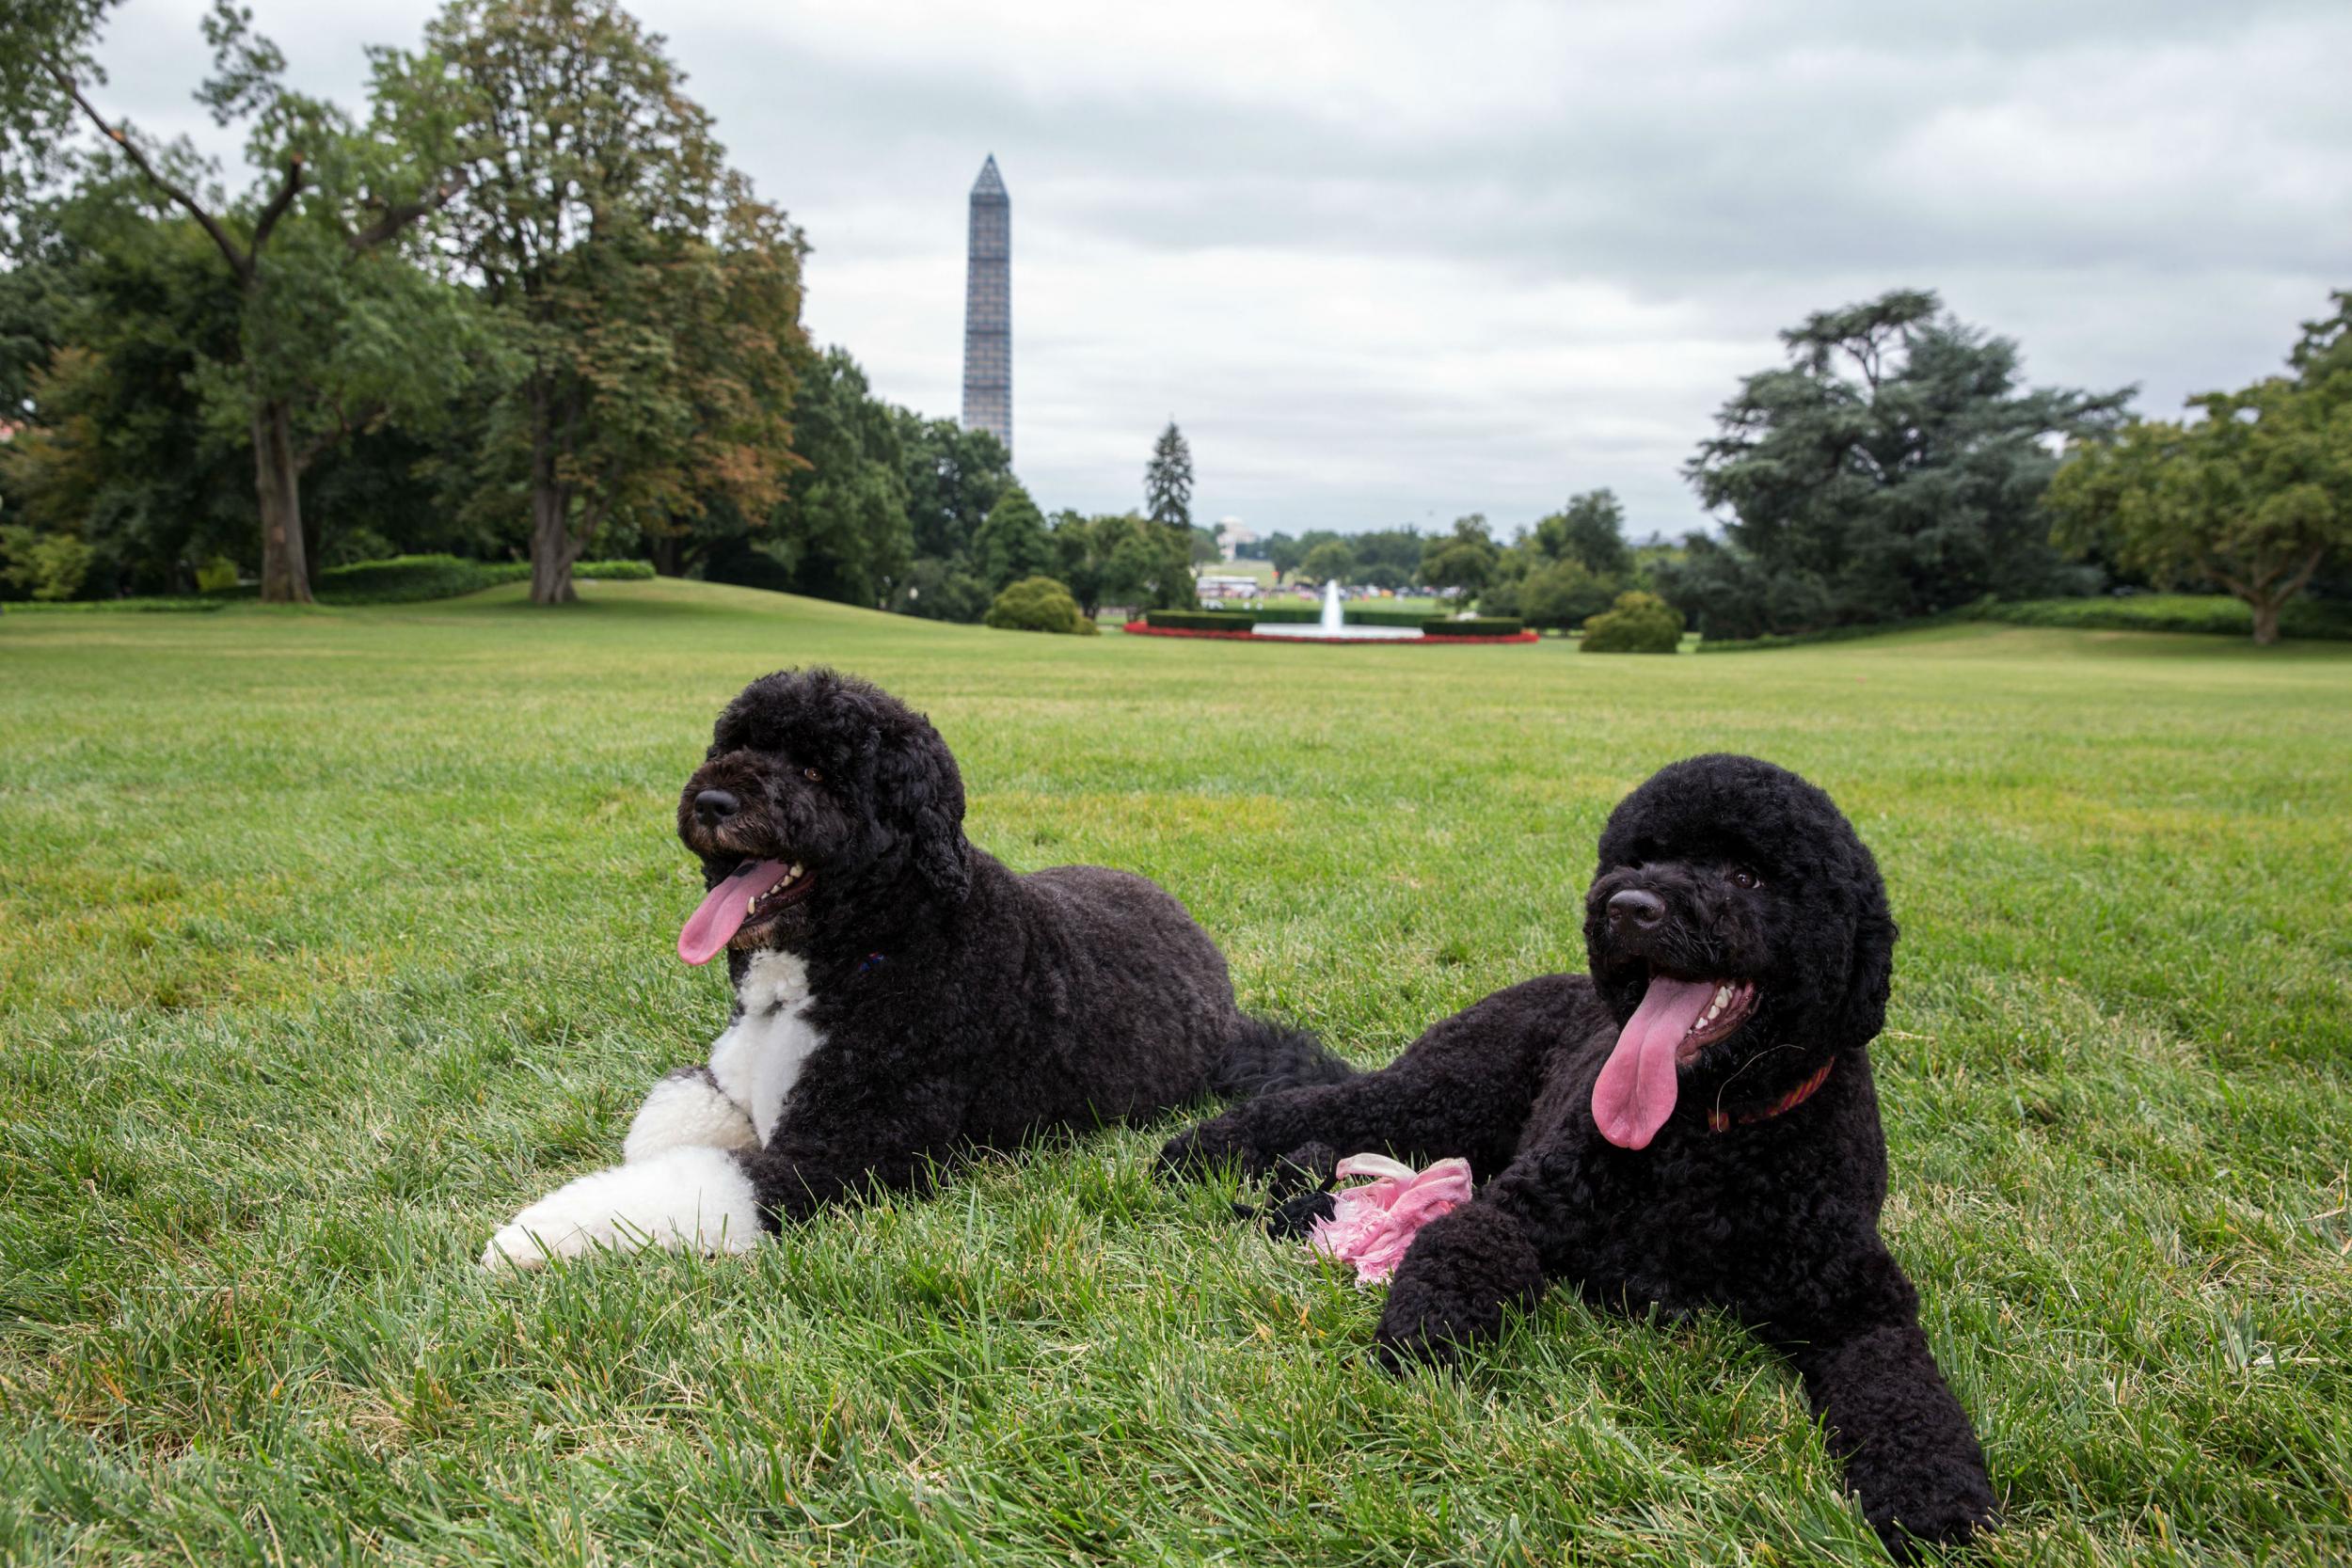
x: 686, y: 1197
x: 687, y: 1110
x: 1911, y: 1456
x: 1463, y: 1270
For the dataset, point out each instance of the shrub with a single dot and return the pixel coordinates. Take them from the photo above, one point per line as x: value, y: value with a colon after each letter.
x: 1487, y: 625
x: 1039, y: 604
x: 1198, y: 620
x: 47, y: 567
x: 1637, y: 623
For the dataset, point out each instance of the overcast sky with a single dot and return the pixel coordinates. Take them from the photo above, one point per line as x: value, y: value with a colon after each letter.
x: 1393, y: 263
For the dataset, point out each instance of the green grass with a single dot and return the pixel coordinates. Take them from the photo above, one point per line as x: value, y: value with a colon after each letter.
x: 330, y: 939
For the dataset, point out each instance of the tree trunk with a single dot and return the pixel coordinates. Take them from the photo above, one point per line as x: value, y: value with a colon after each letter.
x: 278, y: 484
x: 668, y: 557
x: 2265, y: 620
x: 552, y: 551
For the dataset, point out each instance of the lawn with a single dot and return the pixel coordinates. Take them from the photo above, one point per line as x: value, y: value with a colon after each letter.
x: 328, y: 940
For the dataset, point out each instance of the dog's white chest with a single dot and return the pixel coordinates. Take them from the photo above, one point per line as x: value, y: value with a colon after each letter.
x: 759, y: 1059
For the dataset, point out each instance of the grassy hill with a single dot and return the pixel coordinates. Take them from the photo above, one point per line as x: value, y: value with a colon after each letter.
x: 328, y: 940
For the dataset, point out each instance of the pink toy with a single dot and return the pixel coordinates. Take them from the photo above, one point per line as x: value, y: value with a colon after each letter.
x: 1372, y: 1224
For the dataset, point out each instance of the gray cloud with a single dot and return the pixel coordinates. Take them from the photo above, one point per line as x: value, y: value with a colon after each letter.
x: 1395, y: 264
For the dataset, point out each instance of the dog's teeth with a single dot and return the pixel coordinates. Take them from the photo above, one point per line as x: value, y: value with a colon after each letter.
x: 1723, y: 995
x: 796, y: 868
x: 750, y: 905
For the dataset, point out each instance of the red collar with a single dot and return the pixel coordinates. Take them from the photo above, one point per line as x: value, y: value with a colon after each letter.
x: 1720, y: 1121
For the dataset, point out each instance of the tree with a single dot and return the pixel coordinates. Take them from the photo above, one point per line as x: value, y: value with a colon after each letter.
x: 1590, y: 530
x: 331, y: 335
x: 117, y: 451
x: 842, y: 527
x: 1167, y: 480
x: 50, y: 48
x: 1563, y: 593
x: 2252, y: 499
x: 1284, y: 553
x: 953, y: 476
x: 1895, y: 461
x: 937, y: 589
x: 1012, y: 542
x: 648, y: 303
x: 1149, y: 564
x: 1465, y: 558
x: 1329, y: 562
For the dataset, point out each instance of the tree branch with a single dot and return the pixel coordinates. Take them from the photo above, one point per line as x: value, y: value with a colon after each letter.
x: 395, y: 218
x: 279, y: 203
x: 239, y: 262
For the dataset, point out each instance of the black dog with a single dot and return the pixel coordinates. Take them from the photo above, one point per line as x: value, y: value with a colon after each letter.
x: 900, y: 996
x: 1693, y: 1126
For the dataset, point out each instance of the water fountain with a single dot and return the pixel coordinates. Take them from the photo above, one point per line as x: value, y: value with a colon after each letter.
x: 1333, y: 626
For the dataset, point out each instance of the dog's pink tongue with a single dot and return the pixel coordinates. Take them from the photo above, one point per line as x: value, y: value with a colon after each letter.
x: 1635, y: 1092
x: 709, y: 928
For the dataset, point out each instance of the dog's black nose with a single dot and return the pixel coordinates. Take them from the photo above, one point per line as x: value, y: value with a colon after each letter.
x: 1637, y: 907
x: 714, y: 806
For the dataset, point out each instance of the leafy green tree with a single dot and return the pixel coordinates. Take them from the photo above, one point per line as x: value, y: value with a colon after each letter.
x: 1167, y: 480
x: 842, y: 528
x: 937, y: 589
x: 1012, y: 542
x: 50, y: 46
x: 334, y: 331
x: 1466, y: 559
x: 646, y: 303
x: 1590, y: 530
x: 1637, y: 623
x: 1149, y: 564
x: 1040, y: 604
x: 1562, y: 594
x: 1329, y: 562
x: 117, y: 448
x: 1284, y: 554
x: 1895, y: 461
x: 953, y: 476
x: 2253, y: 499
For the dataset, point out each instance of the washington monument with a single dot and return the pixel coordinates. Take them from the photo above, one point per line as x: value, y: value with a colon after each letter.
x: 988, y: 308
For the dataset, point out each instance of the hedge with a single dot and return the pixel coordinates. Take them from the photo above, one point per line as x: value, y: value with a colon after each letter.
x: 2202, y: 614
x: 1489, y: 626
x: 413, y: 579
x: 1198, y: 620
x: 2207, y: 614
x: 1354, y: 615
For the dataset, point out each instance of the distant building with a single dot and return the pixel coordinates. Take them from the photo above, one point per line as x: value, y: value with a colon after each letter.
x: 988, y: 308
x: 1232, y: 536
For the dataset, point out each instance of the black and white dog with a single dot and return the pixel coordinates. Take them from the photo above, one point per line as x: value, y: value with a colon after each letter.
x: 901, y: 997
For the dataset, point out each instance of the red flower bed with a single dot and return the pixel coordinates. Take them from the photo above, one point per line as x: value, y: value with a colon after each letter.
x: 1137, y: 628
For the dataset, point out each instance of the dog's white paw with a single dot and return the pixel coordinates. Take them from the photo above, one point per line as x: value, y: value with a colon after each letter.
x: 686, y: 1110
x: 686, y: 1197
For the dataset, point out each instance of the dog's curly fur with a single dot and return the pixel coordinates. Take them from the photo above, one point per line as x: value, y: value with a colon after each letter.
x: 1772, y: 1216
x: 930, y: 1002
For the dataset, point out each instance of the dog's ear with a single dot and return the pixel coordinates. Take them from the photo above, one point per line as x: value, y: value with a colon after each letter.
x: 922, y: 790
x: 1871, y: 977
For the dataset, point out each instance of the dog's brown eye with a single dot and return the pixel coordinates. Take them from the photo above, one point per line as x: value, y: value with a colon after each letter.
x: 812, y: 775
x: 1743, y: 876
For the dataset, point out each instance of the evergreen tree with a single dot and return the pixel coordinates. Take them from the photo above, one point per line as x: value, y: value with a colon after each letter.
x: 1893, y: 467
x: 1167, y: 481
